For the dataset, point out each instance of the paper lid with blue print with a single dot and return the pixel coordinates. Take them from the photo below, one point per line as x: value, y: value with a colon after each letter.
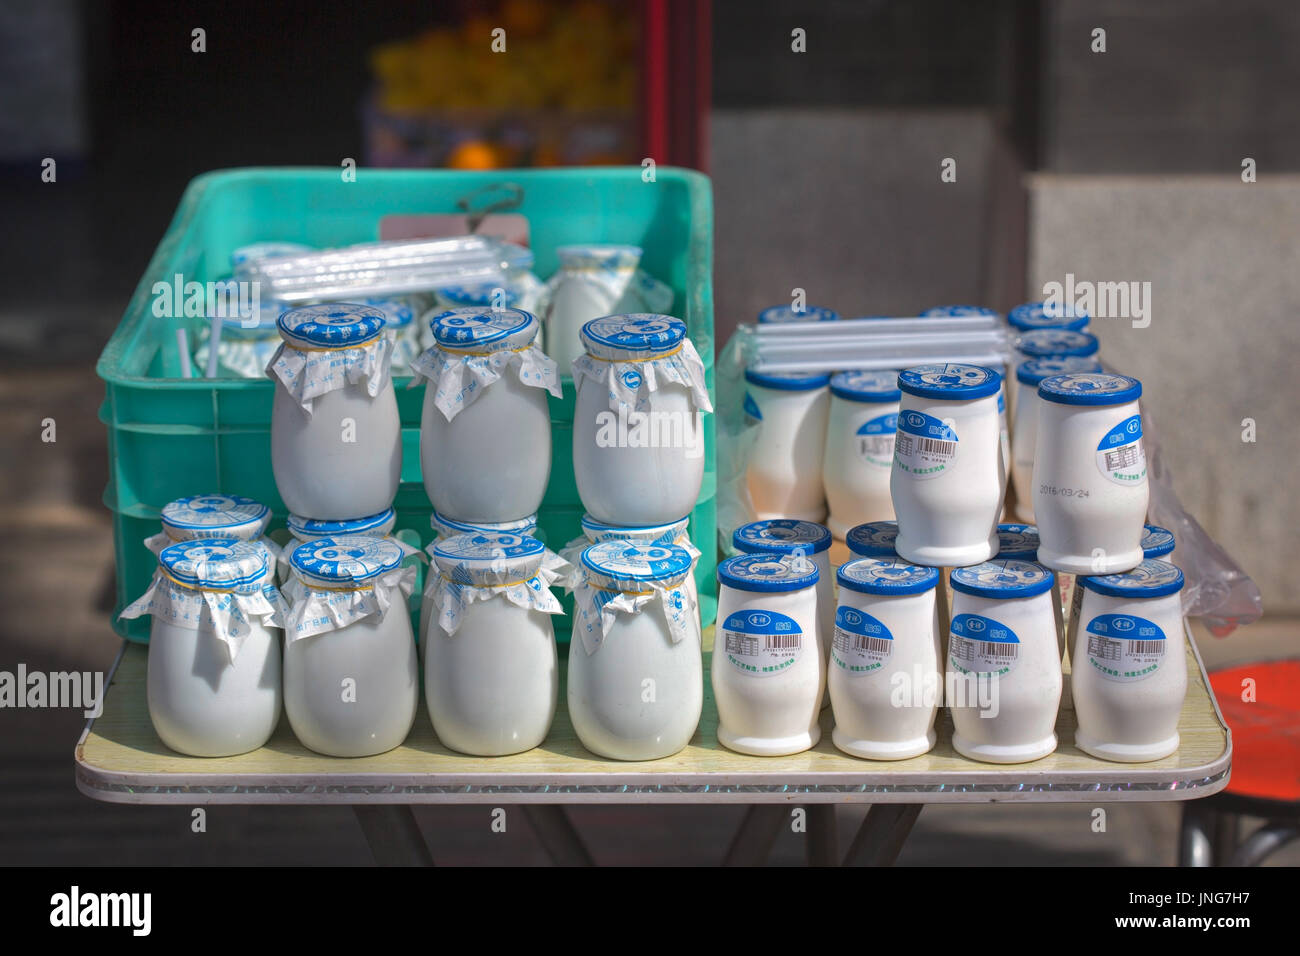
x: 484, y: 330
x: 952, y: 381
x: 784, y: 314
x: 345, y: 559
x: 399, y: 312
x: 1149, y: 579
x: 215, y: 516
x: 864, y: 386
x: 940, y: 311
x: 768, y: 573
x: 781, y: 536
x: 1089, y: 388
x: 1003, y: 578
x: 627, y: 565
x: 1057, y: 343
x: 1043, y: 315
x: 489, y: 557
x: 1156, y: 541
x: 603, y: 531
x: 875, y: 539
x: 1018, y: 541
x: 891, y: 578
x: 305, y: 529
x: 482, y: 294
x: 788, y: 381
x: 1033, y: 371
x: 449, y: 527
x: 634, y: 335
x: 331, y: 325
x: 221, y: 564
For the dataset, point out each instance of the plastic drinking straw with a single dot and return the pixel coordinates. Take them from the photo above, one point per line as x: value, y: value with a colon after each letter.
x: 214, y: 340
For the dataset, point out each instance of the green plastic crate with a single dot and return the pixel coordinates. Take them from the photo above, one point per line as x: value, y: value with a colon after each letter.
x: 170, y: 436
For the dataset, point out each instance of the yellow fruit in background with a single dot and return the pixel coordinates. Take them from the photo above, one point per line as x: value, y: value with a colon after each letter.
x: 474, y: 154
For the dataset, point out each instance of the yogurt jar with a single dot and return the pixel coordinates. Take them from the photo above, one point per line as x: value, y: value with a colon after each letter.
x: 788, y: 537
x: 1003, y: 668
x: 213, y: 681
x: 1056, y: 343
x: 886, y: 676
x: 859, y: 451
x: 401, y: 312
x: 1090, y: 473
x: 674, y: 532
x: 491, y: 675
x: 784, y: 474
x: 1029, y: 374
x: 485, y: 432
x: 1130, y: 677
x: 336, y: 439
x: 302, y: 530
x: 1157, y: 542
x: 636, y: 676
x: 1039, y: 315
x: 767, y: 668
x: 786, y: 314
x: 638, y: 421
x: 351, y: 685
x: 248, y: 340
x: 948, y: 481
x: 1021, y: 541
x: 212, y: 516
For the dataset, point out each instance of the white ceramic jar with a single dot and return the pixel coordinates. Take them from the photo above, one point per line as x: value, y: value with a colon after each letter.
x: 948, y: 481
x: 1003, y: 678
x: 674, y: 532
x: 784, y: 537
x: 336, y: 439
x: 302, y: 530
x: 1025, y: 423
x: 491, y: 675
x: 1130, y: 677
x: 1157, y: 542
x: 886, y: 676
x: 485, y: 432
x: 784, y: 473
x: 859, y: 451
x: 351, y: 686
x: 213, y: 681
x: 636, y: 672
x: 1021, y: 541
x: 212, y: 516
x: 638, y: 420
x: 767, y: 668
x: 1090, y: 473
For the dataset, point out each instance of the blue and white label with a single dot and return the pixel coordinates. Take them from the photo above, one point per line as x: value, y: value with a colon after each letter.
x: 1120, y: 455
x: 924, y: 446
x: 981, y: 645
x: 761, y: 643
x: 875, y: 440
x: 862, y: 644
x: 751, y: 408
x: 1125, y: 647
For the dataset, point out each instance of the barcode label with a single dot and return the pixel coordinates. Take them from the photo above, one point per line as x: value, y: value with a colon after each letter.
x: 933, y: 446
x: 998, y: 650
x: 970, y: 653
x: 861, y: 644
x: 925, y: 446
x: 1125, y: 647
x: 761, y: 643
x: 782, y: 642
x: 874, y: 644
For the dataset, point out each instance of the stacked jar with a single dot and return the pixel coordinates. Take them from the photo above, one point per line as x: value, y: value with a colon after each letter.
x: 212, y: 516
x: 675, y: 533
x: 859, y: 451
x: 1029, y: 375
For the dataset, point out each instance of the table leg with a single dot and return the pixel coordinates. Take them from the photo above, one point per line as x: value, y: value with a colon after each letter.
x: 757, y: 834
x: 557, y: 834
x: 823, y: 848
x: 1196, y: 835
x: 394, y: 837
x: 881, y: 837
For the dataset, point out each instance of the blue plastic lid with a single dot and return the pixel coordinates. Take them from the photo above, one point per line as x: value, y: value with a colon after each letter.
x: 1018, y: 541
x: 482, y: 294
x: 449, y: 527
x: 781, y: 536
x: 216, y: 516
x: 345, y: 559
x: 484, y: 330
x: 1033, y: 371
x: 659, y: 533
x: 788, y: 381
x: 307, y: 528
x: 1037, y: 315
x: 1149, y: 579
x: 782, y: 314
x: 622, y: 564
x: 951, y: 381
x: 1156, y: 541
x: 1003, y: 578
x: 894, y: 578
x: 875, y: 539
x: 947, y: 310
x: 636, y: 332
x: 224, y: 564
x: 1057, y: 343
x: 879, y: 386
x: 1089, y: 388
x: 331, y: 325
x: 765, y: 573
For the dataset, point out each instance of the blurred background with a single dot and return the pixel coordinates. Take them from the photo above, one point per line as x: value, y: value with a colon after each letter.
x: 1122, y: 164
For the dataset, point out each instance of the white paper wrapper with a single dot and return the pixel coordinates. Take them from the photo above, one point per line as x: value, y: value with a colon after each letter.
x: 283, y: 569
x: 451, y: 598
x: 572, y: 552
x: 310, y: 374
x: 156, y: 542
x: 598, y: 608
x: 458, y: 379
x: 224, y: 615
x: 631, y: 383
x: 313, y: 611
x: 245, y: 357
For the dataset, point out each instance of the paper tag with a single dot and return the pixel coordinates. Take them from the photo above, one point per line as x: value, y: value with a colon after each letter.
x: 761, y: 643
x: 981, y: 645
x: 924, y: 446
x: 862, y: 644
x: 1124, y: 647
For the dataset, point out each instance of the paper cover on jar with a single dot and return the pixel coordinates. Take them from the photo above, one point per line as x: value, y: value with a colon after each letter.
x: 623, y: 577
x: 212, y: 516
x: 341, y: 580
x: 329, y: 347
x: 595, y: 532
x: 639, y: 353
x: 476, y: 566
x: 555, y: 568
